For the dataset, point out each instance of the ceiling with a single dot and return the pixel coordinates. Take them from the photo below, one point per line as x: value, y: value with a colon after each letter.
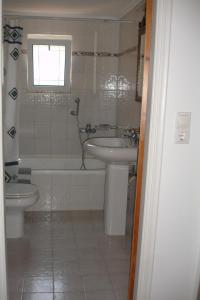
x: 101, y: 9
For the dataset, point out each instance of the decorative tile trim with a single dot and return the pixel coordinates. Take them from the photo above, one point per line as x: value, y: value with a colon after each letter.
x: 15, y: 53
x: 24, y: 171
x: 49, y: 98
x: 127, y: 51
x: 12, y: 34
x: 12, y: 132
x: 13, y: 93
x: 104, y: 54
x: 8, y: 177
x: 97, y: 54
x: 90, y: 53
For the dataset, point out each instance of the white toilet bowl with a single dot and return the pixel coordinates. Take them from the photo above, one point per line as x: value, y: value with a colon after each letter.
x: 18, y: 197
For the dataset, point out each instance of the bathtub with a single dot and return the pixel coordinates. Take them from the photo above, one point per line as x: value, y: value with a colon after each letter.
x: 63, y: 186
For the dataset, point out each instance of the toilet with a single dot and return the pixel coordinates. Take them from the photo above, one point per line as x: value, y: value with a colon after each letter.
x: 18, y: 197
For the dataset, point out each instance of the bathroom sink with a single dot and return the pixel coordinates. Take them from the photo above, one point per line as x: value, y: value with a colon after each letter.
x: 117, y: 153
x: 112, y: 149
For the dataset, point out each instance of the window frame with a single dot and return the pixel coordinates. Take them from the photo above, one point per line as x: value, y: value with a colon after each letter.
x: 67, y: 69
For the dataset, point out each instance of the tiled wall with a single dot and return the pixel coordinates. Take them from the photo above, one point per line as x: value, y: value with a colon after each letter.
x: 105, y: 85
x: 45, y: 123
x: 128, y: 110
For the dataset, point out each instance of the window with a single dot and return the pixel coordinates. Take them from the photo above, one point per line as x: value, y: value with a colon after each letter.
x: 49, y: 63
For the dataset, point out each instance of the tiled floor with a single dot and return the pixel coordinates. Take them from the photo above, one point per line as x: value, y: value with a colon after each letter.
x: 68, y: 257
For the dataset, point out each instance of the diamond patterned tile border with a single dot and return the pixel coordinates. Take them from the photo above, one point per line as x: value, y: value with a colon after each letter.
x: 7, y: 177
x: 15, y: 53
x: 13, y: 93
x: 12, y: 132
x: 14, y: 35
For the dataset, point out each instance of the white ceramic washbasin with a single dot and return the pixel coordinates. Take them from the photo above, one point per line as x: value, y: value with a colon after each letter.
x: 112, y: 149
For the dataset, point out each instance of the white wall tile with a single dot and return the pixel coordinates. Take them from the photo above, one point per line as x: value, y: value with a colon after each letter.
x: 27, y: 145
x: 43, y: 113
x: 42, y: 130
x: 90, y: 76
x: 128, y: 110
x: 43, y: 146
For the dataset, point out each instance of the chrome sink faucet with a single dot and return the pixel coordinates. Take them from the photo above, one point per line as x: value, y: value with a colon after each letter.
x: 131, y: 135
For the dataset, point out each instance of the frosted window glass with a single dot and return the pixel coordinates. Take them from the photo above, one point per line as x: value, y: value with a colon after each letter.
x: 48, y: 65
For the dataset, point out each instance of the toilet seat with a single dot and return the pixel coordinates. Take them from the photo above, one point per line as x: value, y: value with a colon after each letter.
x: 20, y: 190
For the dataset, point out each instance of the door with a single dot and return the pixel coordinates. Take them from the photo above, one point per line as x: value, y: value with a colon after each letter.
x: 136, y: 219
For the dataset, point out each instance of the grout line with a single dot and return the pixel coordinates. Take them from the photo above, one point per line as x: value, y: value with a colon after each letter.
x: 52, y: 241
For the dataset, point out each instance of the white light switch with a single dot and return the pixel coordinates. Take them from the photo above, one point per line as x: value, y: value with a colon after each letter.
x: 182, y: 132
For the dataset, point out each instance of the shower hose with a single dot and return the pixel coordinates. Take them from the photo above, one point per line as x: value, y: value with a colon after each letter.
x: 82, y: 167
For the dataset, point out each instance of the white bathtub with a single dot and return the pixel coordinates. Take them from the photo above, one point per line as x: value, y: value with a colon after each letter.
x: 63, y: 186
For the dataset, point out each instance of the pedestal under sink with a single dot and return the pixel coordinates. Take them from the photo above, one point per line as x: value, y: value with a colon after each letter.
x: 117, y: 153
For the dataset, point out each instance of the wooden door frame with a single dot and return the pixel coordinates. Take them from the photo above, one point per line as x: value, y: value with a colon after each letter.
x: 140, y: 162
x: 159, y: 16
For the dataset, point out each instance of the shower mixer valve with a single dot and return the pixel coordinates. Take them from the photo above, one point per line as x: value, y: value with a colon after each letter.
x: 76, y: 112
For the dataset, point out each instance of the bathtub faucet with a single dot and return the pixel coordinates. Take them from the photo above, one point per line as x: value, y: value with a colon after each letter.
x: 88, y: 129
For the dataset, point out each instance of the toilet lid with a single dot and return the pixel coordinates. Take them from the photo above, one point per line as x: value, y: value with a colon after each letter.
x: 16, y: 190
